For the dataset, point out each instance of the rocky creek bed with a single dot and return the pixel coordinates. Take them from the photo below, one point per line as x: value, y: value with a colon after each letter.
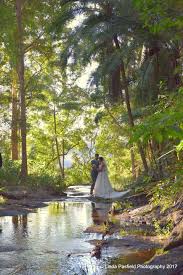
x: 113, y: 241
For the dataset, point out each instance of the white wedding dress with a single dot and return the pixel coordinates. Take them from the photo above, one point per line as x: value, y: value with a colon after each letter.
x: 103, y: 188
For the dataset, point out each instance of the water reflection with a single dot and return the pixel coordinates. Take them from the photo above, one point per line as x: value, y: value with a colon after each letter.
x: 56, y: 208
x: 21, y: 219
x: 40, y: 242
x: 51, y: 241
x: 100, y: 212
x: 20, y: 224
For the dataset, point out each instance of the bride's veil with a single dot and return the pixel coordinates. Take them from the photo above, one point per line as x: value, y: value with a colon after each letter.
x: 106, y: 168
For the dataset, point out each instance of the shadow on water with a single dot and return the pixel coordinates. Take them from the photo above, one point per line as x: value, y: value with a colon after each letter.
x: 51, y: 241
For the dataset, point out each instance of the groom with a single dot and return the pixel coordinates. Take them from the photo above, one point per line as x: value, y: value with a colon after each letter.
x: 94, y: 171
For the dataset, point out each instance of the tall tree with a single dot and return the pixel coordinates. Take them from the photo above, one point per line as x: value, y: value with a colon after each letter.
x: 128, y: 105
x: 9, y: 44
x: 61, y: 165
x: 20, y: 41
x: 105, y: 19
x: 15, y: 118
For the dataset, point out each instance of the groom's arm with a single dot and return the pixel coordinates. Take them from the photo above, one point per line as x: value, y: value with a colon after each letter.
x: 93, y: 165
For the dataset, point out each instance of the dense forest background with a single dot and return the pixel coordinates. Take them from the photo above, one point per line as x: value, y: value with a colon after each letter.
x: 130, y: 110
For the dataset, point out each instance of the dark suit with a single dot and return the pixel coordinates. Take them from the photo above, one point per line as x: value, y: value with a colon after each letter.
x: 94, y: 173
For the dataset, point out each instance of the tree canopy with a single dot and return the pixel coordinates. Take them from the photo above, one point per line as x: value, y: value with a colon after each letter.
x: 129, y: 110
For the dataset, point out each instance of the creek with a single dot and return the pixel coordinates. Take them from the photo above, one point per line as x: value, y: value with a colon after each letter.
x: 52, y: 240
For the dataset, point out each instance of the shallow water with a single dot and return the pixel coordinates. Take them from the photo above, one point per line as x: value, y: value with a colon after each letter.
x: 40, y: 242
x: 51, y: 241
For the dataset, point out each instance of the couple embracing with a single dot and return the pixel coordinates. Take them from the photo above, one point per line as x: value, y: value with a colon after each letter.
x: 101, y: 186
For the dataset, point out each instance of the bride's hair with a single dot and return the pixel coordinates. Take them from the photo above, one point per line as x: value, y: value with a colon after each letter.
x: 101, y: 158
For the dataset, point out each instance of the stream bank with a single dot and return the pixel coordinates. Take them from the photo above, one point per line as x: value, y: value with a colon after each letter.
x: 137, y: 220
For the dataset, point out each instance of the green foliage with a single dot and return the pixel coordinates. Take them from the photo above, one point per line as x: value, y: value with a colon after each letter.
x: 179, y: 147
x: 91, y: 38
x: 2, y: 200
x: 125, y: 205
x: 10, y: 176
x: 165, y: 123
x: 166, y: 192
x: 46, y: 181
x: 161, y: 15
x: 137, y: 231
x: 163, y: 230
x: 142, y: 184
x: 10, y: 172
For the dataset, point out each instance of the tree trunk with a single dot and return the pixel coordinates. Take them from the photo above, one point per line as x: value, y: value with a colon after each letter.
x: 21, y: 89
x: 56, y: 143
x: 15, y: 119
x: 114, y: 82
x: 127, y: 101
x: 63, y: 159
x: 133, y: 163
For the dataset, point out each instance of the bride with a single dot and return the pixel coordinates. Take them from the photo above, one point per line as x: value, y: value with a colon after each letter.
x: 103, y: 188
